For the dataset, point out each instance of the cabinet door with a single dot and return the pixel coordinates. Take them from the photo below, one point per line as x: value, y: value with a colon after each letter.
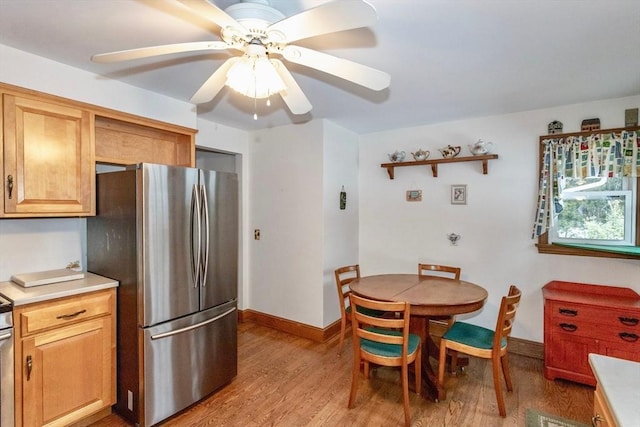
x: 67, y: 373
x: 48, y: 159
x: 570, y: 352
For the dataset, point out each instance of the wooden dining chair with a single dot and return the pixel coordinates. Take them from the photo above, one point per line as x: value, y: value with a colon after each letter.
x: 440, y: 271
x: 485, y: 343
x: 344, y: 276
x: 384, y: 341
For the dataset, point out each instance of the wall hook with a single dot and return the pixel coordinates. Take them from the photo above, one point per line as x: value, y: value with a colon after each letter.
x: 453, y: 238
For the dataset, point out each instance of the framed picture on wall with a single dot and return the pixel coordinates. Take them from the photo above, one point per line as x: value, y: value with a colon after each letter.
x: 414, y: 195
x: 459, y: 194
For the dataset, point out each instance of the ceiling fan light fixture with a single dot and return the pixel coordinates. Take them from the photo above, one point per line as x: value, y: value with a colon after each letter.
x: 255, y: 77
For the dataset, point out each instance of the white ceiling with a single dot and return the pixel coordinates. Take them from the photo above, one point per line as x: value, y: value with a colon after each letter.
x: 448, y: 59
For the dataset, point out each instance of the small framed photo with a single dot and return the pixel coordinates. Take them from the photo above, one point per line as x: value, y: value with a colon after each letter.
x: 459, y: 194
x: 414, y: 195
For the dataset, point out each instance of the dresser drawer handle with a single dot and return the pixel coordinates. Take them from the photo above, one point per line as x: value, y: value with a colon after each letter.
x: 71, y: 316
x: 569, y: 327
x: 630, y: 337
x: 568, y: 312
x: 629, y: 321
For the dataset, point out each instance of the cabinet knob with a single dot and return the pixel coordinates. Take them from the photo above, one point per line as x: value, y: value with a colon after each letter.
x: 10, y: 185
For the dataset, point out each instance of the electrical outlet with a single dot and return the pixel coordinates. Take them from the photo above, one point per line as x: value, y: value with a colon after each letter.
x: 256, y: 234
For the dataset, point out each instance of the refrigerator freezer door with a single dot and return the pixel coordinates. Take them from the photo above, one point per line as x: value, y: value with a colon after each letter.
x: 221, y: 279
x: 165, y: 262
x: 187, y: 359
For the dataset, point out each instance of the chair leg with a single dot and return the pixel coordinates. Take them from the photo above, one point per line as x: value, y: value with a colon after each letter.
x: 442, y: 361
x: 354, y: 378
x: 497, y: 384
x: 454, y: 361
x: 418, y: 369
x: 343, y: 327
x: 505, y: 372
x: 405, y: 395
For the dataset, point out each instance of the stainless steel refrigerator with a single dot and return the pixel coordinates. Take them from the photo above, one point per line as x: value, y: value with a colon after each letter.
x: 169, y: 235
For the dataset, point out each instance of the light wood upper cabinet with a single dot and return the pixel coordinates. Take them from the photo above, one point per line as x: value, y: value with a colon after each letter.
x: 48, y: 158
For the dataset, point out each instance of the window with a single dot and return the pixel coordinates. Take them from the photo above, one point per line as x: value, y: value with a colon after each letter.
x: 597, y: 211
x: 588, y: 214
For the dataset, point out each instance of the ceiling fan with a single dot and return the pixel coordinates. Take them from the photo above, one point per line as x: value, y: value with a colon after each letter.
x: 261, y: 32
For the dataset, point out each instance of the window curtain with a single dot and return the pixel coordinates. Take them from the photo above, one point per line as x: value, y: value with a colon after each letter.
x: 610, y: 155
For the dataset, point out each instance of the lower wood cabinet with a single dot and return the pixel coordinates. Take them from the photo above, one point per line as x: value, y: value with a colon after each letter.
x: 601, y: 413
x: 65, y: 359
x: 580, y: 319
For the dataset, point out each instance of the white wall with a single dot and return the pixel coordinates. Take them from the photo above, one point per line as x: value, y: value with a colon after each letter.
x: 287, y: 206
x: 496, y: 248
x: 340, y: 169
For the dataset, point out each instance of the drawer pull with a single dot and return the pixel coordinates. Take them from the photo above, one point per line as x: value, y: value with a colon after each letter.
x: 568, y: 312
x: 71, y: 316
x: 596, y: 420
x: 630, y: 337
x: 569, y: 327
x: 29, y: 367
x: 629, y: 321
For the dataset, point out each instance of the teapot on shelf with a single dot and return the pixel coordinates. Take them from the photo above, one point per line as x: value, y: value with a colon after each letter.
x: 480, y: 148
x: 450, y: 151
x: 421, y: 155
x: 397, y: 156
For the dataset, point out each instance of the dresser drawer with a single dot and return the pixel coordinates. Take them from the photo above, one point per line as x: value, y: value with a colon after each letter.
x: 52, y: 314
x: 617, y: 318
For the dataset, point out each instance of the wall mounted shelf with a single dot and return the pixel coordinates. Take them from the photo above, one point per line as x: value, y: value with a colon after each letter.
x: 435, y: 162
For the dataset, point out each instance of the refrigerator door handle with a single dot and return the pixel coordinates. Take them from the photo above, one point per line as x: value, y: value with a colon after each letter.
x: 192, y: 327
x: 205, y: 231
x: 195, y: 246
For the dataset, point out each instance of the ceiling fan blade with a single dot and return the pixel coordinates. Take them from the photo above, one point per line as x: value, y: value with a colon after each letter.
x: 214, y: 84
x: 327, y: 18
x: 292, y: 95
x: 345, y: 69
x: 145, y: 52
x: 213, y: 13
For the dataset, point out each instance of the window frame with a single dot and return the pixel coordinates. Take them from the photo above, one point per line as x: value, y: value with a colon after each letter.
x: 544, y: 246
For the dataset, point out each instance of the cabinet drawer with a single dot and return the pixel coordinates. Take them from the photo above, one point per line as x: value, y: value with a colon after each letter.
x: 52, y: 314
x: 621, y: 319
x: 577, y: 327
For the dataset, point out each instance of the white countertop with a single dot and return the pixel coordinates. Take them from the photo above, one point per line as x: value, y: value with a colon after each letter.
x: 619, y: 380
x: 21, y: 296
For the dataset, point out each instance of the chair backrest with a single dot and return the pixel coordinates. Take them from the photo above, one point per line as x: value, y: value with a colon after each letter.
x: 365, y: 325
x: 506, y: 316
x: 344, y: 276
x: 424, y: 268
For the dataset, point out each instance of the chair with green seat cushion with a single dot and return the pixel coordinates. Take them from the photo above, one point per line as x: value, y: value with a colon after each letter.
x: 485, y: 343
x: 384, y: 341
x: 344, y: 276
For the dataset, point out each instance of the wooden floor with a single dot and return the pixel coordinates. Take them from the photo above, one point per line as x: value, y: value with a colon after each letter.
x: 288, y: 381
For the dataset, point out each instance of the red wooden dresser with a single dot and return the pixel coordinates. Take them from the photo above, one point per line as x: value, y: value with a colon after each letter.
x: 580, y: 319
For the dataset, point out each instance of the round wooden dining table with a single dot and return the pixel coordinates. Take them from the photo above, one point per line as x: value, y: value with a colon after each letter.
x: 429, y: 296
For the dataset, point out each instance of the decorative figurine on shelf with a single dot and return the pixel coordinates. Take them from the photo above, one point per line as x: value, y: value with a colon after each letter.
x: 396, y: 157
x: 590, y: 124
x: 555, y: 127
x: 450, y: 151
x: 481, y: 148
x: 420, y: 155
